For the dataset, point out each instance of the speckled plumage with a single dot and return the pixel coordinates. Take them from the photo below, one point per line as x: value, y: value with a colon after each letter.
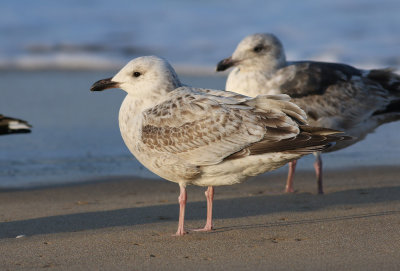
x: 207, y: 137
x: 333, y: 95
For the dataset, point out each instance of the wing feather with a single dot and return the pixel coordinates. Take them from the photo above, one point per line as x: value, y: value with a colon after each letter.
x: 204, y: 130
x: 335, y: 95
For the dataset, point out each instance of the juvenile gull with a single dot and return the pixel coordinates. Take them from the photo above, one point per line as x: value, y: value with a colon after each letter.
x: 333, y: 95
x: 10, y: 125
x: 207, y: 137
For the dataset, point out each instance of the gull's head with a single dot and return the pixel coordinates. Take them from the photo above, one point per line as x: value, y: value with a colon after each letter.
x: 259, y: 51
x: 141, y: 77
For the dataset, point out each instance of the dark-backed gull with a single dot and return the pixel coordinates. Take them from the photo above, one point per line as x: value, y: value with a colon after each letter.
x: 333, y: 95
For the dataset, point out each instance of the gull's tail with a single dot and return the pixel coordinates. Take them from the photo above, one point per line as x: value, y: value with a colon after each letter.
x: 391, y: 82
x: 287, y: 130
x: 387, y: 79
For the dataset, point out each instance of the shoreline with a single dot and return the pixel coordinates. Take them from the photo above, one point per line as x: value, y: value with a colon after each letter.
x: 281, y: 172
x: 181, y: 69
x: 81, y: 138
x: 126, y: 223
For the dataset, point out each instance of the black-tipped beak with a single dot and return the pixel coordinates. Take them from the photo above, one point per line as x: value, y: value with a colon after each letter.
x: 103, y: 84
x: 225, y: 64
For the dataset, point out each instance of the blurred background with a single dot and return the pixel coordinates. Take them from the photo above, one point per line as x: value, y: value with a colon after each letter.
x: 52, y: 51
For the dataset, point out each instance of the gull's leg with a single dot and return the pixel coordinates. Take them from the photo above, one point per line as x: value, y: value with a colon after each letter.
x: 289, y: 182
x: 182, y: 203
x: 209, y: 196
x: 318, y: 171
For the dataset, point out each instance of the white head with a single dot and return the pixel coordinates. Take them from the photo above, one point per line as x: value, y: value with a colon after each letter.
x: 256, y: 52
x: 147, y: 76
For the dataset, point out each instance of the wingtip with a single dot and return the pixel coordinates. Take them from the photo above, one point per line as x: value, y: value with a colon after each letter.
x: 320, y: 130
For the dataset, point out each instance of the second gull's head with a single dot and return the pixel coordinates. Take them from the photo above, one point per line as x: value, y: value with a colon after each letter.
x: 258, y: 51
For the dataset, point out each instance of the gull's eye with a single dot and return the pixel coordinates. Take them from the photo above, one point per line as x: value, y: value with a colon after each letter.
x: 258, y: 48
x: 137, y: 74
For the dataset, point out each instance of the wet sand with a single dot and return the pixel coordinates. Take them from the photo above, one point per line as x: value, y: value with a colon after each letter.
x: 127, y: 223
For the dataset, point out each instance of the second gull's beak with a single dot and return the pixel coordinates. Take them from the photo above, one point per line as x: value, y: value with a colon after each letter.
x: 225, y: 64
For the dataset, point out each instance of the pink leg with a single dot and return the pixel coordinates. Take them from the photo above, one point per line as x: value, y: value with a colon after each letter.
x: 318, y: 172
x: 182, y: 203
x: 289, y: 182
x: 210, y: 196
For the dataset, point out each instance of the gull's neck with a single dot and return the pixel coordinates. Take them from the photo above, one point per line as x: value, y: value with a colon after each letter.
x: 144, y: 99
x: 254, y: 79
x: 266, y: 67
x: 135, y: 105
x: 269, y: 67
x: 130, y: 118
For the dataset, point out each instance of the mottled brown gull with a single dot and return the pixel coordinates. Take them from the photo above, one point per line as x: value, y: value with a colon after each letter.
x: 207, y: 137
x: 333, y: 95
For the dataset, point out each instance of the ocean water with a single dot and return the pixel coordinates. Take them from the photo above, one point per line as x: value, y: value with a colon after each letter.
x: 52, y: 51
x: 76, y: 135
x: 101, y: 34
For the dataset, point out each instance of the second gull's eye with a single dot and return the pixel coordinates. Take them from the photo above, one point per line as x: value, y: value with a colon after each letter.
x: 258, y: 48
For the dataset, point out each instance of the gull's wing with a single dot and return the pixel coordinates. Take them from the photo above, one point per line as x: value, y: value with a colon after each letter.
x: 337, y: 95
x: 204, y: 128
x: 344, y: 105
x: 304, y: 78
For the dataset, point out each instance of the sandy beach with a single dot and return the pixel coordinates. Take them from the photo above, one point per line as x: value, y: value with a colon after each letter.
x: 72, y: 196
x: 127, y: 223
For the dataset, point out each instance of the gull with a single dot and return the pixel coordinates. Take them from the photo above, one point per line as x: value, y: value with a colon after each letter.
x: 10, y: 125
x: 204, y: 137
x: 333, y: 95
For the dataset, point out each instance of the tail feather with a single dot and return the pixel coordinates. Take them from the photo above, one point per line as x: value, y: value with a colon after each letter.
x: 393, y: 107
x: 388, y: 79
x: 310, y: 139
x: 319, y: 130
x: 326, y: 143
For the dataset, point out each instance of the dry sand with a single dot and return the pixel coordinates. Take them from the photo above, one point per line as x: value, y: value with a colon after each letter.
x: 126, y: 224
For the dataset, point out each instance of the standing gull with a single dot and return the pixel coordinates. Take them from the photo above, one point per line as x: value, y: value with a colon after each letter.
x: 207, y: 137
x: 335, y: 96
x: 10, y: 125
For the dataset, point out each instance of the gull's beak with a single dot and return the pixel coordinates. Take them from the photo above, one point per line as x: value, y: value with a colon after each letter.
x: 104, y: 84
x: 225, y: 64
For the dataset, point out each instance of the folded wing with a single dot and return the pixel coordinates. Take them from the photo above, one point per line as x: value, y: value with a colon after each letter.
x: 203, y: 127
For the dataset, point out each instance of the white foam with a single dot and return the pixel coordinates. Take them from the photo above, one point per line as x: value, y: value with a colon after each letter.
x: 60, y: 62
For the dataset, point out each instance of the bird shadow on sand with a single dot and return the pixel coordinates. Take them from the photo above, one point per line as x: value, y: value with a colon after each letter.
x: 223, y: 209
